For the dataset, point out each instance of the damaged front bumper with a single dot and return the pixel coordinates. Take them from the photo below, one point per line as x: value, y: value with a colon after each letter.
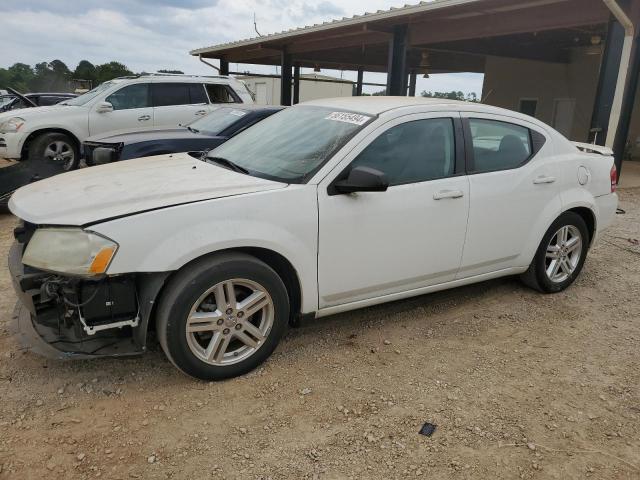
x: 106, y: 318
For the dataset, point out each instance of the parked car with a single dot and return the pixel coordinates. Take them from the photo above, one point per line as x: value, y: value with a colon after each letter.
x: 325, y: 207
x: 14, y: 100
x: 203, y: 134
x: 142, y: 101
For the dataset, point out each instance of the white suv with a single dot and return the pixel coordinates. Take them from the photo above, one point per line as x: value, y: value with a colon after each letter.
x: 55, y: 133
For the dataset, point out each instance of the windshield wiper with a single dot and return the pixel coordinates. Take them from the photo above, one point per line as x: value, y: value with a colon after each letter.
x: 193, y: 130
x: 228, y: 164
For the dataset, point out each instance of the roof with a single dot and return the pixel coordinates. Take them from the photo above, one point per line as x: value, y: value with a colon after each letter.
x: 345, y: 21
x: 442, y: 36
x: 377, y: 105
x: 304, y: 76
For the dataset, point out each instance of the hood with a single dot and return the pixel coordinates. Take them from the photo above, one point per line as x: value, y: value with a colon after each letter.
x: 145, y: 135
x: 33, y: 112
x: 118, y: 189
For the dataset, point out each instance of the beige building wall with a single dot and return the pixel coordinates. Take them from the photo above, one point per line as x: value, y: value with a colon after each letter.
x: 565, y: 92
x: 267, y: 89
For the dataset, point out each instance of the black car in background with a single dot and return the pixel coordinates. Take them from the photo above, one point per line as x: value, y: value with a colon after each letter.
x: 15, y: 100
x: 203, y: 134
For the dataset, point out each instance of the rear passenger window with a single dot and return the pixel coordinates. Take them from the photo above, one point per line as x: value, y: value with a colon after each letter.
x: 197, y: 93
x: 221, y: 94
x: 166, y: 94
x: 499, y: 145
x: 413, y: 152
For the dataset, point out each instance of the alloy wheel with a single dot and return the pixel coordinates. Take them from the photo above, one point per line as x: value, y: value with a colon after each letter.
x: 563, y: 253
x: 60, y: 152
x: 230, y: 322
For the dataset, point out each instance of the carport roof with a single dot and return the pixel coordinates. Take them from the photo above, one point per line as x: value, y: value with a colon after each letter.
x: 443, y: 28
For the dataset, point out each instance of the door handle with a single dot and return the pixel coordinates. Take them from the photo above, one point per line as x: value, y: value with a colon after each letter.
x: 201, y: 112
x: 442, y: 194
x: 544, y: 180
x: 144, y: 118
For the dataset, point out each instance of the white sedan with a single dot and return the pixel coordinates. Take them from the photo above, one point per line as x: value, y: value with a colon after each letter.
x: 325, y: 207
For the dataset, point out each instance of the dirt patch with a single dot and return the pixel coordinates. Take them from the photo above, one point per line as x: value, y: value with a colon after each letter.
x: 520, y: 385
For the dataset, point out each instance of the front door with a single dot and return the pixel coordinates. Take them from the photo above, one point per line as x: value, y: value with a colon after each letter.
x: 412, y: 235
x: 131, y: 110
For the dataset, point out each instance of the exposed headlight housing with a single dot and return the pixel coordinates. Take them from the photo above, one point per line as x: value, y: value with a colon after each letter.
x: 69, y: 250
x: 12, y: 125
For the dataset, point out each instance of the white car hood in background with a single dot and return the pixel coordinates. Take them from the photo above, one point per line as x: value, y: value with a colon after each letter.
x: 123, y: 188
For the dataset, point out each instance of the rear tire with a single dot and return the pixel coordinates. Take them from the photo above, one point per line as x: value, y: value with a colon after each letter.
x: 222, y: 316
x: 560, y: 256
x: 57, y: 150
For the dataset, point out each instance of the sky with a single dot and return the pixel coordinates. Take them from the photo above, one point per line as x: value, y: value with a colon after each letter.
x: 148, y: 35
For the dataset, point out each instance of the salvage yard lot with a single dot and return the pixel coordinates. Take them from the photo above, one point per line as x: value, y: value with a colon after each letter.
x: 520, y: 385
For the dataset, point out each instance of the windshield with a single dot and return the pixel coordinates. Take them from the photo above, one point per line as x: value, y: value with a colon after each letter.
x: 218, y: 120
x: 90, y: 95
x: 291, y: 145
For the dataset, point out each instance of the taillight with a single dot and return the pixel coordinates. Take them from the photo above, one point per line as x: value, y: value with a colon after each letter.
x: 614, y: 178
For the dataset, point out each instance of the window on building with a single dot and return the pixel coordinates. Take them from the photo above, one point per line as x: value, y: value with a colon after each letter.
x: 528, y: 106
x: 499, y: 145
x: 413, y: 152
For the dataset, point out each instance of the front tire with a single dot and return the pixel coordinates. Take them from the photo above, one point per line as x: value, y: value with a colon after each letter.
x: 56, y: 150
x: 560, y: 256
x: 222, y: 316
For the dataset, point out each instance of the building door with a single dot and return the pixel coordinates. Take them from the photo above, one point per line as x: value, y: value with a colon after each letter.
x: 261, y: 94
x: 563, y: 112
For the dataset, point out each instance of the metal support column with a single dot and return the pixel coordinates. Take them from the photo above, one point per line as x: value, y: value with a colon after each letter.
x: 296, y: 84
x: 607, y: 82
x: 359, y: 84
x: 285, y: 83
x: 412, y: 83
x: 224, y: 67
x: 622, y: 135
x: 397, y: 65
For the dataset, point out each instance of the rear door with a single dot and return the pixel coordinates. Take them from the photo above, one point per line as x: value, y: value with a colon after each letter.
x: 131, y: 110
x: 178, y: 103
x: 515, y: 183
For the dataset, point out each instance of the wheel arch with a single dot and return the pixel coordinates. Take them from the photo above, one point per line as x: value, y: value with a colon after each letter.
x: 589, y: 218
x: 41, y: 131
x: 280, y: 264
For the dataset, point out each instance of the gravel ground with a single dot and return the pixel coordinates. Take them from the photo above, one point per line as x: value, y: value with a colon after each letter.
x: 520, y: 385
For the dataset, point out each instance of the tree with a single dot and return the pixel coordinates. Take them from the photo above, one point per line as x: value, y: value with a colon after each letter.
x: 19, y: 76
x: 85, y: 71
x: 171, y: 71
x: 453, y: 95
x: 111, y: 70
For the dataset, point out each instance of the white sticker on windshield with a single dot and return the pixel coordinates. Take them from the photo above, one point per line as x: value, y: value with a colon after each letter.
x: 237, y: 113
x: 347, y: 117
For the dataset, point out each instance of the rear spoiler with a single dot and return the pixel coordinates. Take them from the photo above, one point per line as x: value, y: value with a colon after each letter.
x: 590, y: 148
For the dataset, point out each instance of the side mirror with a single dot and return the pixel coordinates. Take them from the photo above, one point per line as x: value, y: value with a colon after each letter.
x: 362, y: 179
x: 104, y: 107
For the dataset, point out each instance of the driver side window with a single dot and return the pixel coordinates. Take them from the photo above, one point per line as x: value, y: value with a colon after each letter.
x: 413, y: 152
x: 129, y: 97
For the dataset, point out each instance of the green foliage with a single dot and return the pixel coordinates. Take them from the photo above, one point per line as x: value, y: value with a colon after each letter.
x: 111, y: 70
x: 56, y: 76
x: 453, y: 95
x: 171, y: 71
